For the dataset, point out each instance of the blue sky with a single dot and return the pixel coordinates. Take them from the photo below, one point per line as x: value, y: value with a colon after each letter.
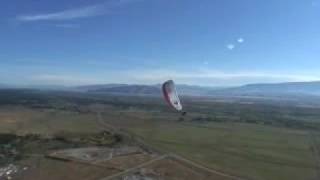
x: 202, y: 42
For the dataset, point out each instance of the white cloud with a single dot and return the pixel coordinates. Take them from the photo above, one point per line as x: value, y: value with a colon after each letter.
x: 82, y: 12
x: 240, y: 40
x: 230, y: 46
x: 75, y: 13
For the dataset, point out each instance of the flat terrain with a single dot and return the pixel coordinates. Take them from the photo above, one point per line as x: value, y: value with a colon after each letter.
x: 43, y: 168
x: 21, y: 120
x: 171, y: 169
x: 248, y: 139
x: 250, y: 151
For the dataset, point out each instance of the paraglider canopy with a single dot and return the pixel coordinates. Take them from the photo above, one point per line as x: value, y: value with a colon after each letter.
x: 171, y: 96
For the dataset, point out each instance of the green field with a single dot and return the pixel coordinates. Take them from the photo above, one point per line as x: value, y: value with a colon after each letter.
x: 259, y: 141
x: 251, y: 151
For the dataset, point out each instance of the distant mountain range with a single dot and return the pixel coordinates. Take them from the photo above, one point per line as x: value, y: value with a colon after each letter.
x: 290, y: 88
x: 142, y: 89
x: 276, y: 89
x: 98, y: 87
x: 130, y: 89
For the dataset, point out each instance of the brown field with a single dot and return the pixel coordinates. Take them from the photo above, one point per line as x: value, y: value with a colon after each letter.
x: 48, y: 169
x: 171, y: 169
x: 21, y: 120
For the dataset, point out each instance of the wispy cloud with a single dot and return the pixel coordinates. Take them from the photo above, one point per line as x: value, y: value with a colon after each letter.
x: 75, y: 13
x: 230, y: 46
x: 240, y: 40
x: 82, y: 12
x: 205, y: 62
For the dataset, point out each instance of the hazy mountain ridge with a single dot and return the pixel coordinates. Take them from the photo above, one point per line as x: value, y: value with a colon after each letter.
x: 129, y: 89
x: 289, y: 88
x: 263, y: 89
x: 145, y: 89
x: 98, y: 87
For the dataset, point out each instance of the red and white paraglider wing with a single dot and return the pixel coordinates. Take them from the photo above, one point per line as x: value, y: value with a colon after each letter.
x: 171, y: 95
